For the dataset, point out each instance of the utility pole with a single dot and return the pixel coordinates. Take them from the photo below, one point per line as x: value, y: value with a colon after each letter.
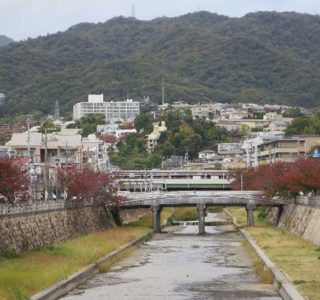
x: 46, y: 167
x: 66, y: 153
x: 28, y: 140
x: 31, y: 187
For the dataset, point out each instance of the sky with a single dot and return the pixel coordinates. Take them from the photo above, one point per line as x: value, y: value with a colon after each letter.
x: 21, y: 19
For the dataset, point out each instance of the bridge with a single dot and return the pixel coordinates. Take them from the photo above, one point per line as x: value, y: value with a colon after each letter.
x: 201, y: 199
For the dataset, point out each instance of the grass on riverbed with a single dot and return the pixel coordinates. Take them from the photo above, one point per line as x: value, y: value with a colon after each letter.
x: 23, y: 276
x: 146, y: 220
x: 185, y: 214
x: 298, y: 258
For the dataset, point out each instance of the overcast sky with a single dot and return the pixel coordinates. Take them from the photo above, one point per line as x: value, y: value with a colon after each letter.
x: 20, y: 19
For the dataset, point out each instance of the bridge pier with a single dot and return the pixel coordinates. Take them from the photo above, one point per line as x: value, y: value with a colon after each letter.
x: 156, y: 214
x: 201, y: 218
x: 250, y: 208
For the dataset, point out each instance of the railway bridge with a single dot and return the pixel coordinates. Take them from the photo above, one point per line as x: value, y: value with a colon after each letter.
x: 200, y: 199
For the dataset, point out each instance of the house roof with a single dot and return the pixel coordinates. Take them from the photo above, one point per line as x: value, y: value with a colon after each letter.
x: 207, y: 151
x: 21, y: 139
x: 69, y: 140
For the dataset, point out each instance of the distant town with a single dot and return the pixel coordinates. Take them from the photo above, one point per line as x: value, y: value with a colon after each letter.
x: 256, y: 134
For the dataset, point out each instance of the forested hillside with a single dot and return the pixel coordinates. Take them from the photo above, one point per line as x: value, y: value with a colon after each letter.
x: 4, y: 40
x: 261, y: 57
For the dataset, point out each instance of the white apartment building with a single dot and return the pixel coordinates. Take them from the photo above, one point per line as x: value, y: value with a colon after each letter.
x: 113, y: 111
x: 95, y: 105
x: 122, y: 110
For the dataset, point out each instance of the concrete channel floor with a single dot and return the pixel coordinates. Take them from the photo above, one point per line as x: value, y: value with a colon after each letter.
x: 179, y: 264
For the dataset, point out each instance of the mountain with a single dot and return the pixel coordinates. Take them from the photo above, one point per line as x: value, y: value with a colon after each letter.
x: 4, y: 40
x: 261, y: 57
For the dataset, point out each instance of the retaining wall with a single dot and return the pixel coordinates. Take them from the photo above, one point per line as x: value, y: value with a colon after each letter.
x: 24, y: 232
x: 302, y: 220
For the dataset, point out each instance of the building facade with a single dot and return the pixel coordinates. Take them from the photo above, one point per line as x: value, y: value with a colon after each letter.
x: 113, y: 111
x: 286, y: 150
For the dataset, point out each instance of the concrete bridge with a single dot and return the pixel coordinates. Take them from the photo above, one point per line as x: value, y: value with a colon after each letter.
x: 201, y: 199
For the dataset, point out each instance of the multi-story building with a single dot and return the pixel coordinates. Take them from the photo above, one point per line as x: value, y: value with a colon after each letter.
x: 62, y: 147
x: 113, y: 111
x: 286, y: 149
x: 95, y: 105
x: 122, y: 110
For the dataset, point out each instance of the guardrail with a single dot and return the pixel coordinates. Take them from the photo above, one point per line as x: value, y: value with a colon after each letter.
x: 29, y: 207
x: 41, y: 206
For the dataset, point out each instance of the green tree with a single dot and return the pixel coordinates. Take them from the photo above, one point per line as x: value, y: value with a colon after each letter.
x: 166, y: 150
x: 292, y: 112
x: 298, y: 126
x: 89, y: 123
x: 49, y: 126
x: 144, y: 122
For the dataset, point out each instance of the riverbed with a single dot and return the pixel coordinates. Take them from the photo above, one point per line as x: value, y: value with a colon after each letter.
x: 180, y: 264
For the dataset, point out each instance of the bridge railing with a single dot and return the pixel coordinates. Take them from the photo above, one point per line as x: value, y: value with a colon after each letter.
x: 235, y: 197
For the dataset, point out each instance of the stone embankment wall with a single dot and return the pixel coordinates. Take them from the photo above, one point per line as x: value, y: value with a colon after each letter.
x: 24, y: 232
x: 302, y: 220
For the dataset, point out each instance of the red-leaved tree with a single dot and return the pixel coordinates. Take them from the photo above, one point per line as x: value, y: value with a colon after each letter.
x: 13, y: 180
x: 280, y: 178
x: 86, y: 185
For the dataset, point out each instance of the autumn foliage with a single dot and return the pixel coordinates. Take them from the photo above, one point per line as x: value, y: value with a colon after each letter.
x: 280, y: 178
x: 86, y: 185
x: 13, y: 180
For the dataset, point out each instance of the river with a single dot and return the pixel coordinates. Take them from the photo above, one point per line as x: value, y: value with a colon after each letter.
x: 179, y: 264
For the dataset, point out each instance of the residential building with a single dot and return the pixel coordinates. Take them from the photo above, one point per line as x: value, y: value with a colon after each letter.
x: 207, y: 155
x: 230, y: 149
x: 62, y: 147
x: 286, y: 149
x: 113, y: 111
x: 95, y: 105
x: 278, y: 125
x: 272, y: 115
x: 108, y: 129
x: 152, y: 138
x: 207, y: 111
x: 122, y: 110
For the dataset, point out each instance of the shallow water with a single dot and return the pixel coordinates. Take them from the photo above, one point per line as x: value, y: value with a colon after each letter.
x: 180, y: 264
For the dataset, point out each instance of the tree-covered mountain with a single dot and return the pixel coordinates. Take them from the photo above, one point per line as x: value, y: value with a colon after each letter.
x: 261, y: 57
x: 4, y: 40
